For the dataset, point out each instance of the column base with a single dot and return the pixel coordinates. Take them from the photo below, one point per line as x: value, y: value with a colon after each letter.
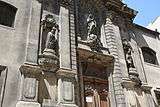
x: 27, y: 104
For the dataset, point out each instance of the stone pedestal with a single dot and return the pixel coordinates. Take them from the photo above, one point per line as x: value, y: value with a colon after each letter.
x: 29, y: 86
x: 134, y: 76
x: 48, y: 61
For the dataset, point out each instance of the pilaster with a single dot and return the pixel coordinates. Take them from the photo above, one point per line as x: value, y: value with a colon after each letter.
x: 110, y: 35
x: 33, y: 32
x: 64, y: 39
x: 67, y: 49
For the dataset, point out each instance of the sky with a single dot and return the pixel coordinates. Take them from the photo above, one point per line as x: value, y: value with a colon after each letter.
x: 148, y: 10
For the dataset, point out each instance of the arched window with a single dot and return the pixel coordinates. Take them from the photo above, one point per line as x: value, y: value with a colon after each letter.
x: 149, y: 55
x: 7, y: 14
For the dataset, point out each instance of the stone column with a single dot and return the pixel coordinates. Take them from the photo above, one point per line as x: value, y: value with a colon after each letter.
x: 110, y: 35
x: 28, y: 86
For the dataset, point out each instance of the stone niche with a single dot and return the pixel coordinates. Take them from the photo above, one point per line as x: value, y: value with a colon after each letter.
x: 52, y: 8
x: 49, y: 36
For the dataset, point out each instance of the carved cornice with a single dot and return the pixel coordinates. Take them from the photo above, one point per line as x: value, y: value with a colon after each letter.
x: 120, y: 8
x: 98, y: 4
x: 30, y: 69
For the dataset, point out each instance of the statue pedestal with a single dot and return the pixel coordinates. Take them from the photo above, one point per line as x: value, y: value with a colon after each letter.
x: 27, y: 104
x: 134, y: 76
x: 48, y: 61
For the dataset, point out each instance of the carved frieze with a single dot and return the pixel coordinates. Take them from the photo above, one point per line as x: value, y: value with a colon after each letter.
x: 66, y: 2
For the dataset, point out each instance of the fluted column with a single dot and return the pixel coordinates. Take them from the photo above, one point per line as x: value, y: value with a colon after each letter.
x: 111, y: 41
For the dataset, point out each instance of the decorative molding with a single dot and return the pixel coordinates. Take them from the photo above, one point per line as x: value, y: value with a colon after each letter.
x: 62, y: 72
x: 66, y: 3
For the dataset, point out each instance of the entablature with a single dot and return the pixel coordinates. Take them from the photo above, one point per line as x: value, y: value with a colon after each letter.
x: 95, y: 57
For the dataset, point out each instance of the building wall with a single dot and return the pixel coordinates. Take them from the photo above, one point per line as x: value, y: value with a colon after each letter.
x: 155, y: 25
x: 13, y: 49
x: 20, y: 44
x: 148, y: 39
x: 145, y: 39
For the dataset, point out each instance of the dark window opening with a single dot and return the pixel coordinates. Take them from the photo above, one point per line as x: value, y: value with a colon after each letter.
x: 149, y: 55
x: 7, y: 14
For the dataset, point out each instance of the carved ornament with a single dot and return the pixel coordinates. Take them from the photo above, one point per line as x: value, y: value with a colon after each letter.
x: 66, y: 2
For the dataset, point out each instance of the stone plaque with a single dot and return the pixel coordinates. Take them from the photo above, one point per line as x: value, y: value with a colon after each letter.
x: 67, y: 91
x: 30, y: 88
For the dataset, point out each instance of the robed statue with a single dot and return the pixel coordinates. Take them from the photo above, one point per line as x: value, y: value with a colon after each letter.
x: 92, y: 38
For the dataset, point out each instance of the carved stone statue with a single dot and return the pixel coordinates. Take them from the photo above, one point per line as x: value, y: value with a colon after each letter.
x: 133, y: 74
x: 49, y: 60
x: 51, y: 42
x: 128, y: 54
x: 92, y: 28
x: 92, y: 38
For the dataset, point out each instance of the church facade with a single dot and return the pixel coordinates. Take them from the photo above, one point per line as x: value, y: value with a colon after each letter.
x: 76, y: 53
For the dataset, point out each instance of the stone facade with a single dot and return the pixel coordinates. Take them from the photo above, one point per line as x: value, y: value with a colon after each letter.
x: 76, y: 53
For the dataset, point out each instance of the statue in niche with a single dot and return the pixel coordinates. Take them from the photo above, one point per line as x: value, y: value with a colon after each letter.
x: 49, y: 60
x: 92, y: 38
x: 128, y: 53
x: 133, y: 74
x: 91, y: 28
x: 51, y: 44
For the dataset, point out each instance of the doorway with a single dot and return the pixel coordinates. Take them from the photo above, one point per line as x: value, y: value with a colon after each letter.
x: 95, y: 92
